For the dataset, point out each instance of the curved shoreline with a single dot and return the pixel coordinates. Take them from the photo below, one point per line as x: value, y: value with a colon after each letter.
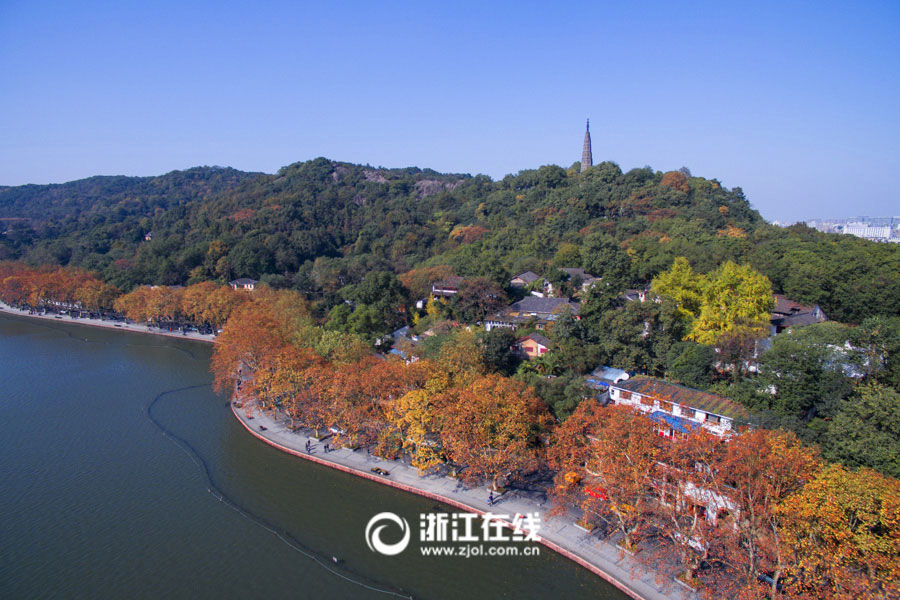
x: 559, y: 537
x: 617, y: 569
x: 129, y: 327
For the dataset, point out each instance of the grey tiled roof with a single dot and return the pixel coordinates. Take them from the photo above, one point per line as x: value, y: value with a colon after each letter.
x: 685, y: 396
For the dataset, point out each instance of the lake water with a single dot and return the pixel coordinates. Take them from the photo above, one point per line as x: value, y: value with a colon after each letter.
x: 99, y: 499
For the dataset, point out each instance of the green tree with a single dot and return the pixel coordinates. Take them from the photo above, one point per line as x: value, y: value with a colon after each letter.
x: 496, y: 348
x: 805, y: 371
x: 879, y: 340
x: 603, y: 256
x: 691, y: 364
x: 866, y: 430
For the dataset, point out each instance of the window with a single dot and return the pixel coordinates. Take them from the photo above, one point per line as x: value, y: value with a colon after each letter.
x: 666, y: 406
x: 690, y: 413
x: 646, y: 400
x: 714, y: 419
x: 624, y: 395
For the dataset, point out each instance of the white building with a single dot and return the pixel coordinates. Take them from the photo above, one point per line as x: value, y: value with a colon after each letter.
x: 676, y: 409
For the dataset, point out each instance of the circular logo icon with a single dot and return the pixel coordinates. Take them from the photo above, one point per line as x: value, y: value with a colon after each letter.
x: 373, y: 534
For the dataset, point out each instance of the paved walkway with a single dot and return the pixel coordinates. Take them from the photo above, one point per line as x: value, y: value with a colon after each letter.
x: 559, y: 533
x: 117, y: 325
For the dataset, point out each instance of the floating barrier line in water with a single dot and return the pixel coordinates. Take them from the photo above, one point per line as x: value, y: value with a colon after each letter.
x: 220, y: 495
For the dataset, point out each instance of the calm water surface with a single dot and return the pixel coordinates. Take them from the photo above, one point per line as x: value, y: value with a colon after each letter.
x: 96, y: 502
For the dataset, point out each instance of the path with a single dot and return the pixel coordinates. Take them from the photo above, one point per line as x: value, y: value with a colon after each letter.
x: 559, y: 534
x: 117, y: 325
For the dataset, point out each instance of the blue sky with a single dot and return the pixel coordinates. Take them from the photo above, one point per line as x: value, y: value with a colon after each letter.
x: 797, y: 103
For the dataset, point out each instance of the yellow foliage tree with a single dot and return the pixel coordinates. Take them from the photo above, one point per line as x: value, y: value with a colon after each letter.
x: 737, y: 303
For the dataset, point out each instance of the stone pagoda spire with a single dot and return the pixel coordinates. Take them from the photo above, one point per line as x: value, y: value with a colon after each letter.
x: 587, y: 160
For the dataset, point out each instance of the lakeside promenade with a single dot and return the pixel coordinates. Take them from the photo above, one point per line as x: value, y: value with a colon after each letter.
x: 117, y: 325
x: 557, y: 533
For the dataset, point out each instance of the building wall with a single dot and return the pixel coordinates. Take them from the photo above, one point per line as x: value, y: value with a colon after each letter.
x: 716, y: 424
x: 532, y: 349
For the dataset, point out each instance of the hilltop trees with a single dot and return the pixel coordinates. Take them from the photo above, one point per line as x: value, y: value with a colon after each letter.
x: 333, y: 238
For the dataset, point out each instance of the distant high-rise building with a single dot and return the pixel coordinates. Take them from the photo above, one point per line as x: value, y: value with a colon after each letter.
x: 587, y: 160
x: 864, y: 230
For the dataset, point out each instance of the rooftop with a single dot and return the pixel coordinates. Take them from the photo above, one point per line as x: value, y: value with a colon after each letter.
x: 577, y: 272
x: 786, y: 306
x: 610, y: 374
x: 533, y: 304
x: 452, y: 281
x: 536, y: 337
x: 685, y: 396
x: 527, y: 276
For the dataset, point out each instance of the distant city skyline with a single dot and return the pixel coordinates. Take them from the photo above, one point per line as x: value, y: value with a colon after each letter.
x: 881, y: 229
x: 793, y: 102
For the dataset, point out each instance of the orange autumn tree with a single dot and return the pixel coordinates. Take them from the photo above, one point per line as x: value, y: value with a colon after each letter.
x: 164, y: 303
x: 252, y: 336
x: 96, y: 295
x: 386, y: 381
x: 211, y: 303
x: 195, y: 299
x: 842, y: 530
x: 758, y: 471
x: 14, y: 289
x: 419, y: 281
x: 491, y: 426
x: 416, y: 417
x: 571, y: 445
x: 622, y: 464
x: 281, y: 376
x: 135, y: 305
x: 346, y: 406
x: 686, y: 508
x: 313, y: 405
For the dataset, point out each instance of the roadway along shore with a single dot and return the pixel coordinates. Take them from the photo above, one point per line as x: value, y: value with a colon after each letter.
x: 117, y: 325
x: 558, y: 533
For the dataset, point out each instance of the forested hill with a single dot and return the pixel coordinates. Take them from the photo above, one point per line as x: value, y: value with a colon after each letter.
x: 320, y: 225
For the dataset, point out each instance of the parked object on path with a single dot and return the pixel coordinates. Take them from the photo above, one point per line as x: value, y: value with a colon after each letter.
x: 380, y: 471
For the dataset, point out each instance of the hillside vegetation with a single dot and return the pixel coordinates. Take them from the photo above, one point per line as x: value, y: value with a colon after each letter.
x: 320, y: 225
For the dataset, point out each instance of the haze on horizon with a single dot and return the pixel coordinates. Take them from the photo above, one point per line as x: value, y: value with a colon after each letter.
x: 796, y: 103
